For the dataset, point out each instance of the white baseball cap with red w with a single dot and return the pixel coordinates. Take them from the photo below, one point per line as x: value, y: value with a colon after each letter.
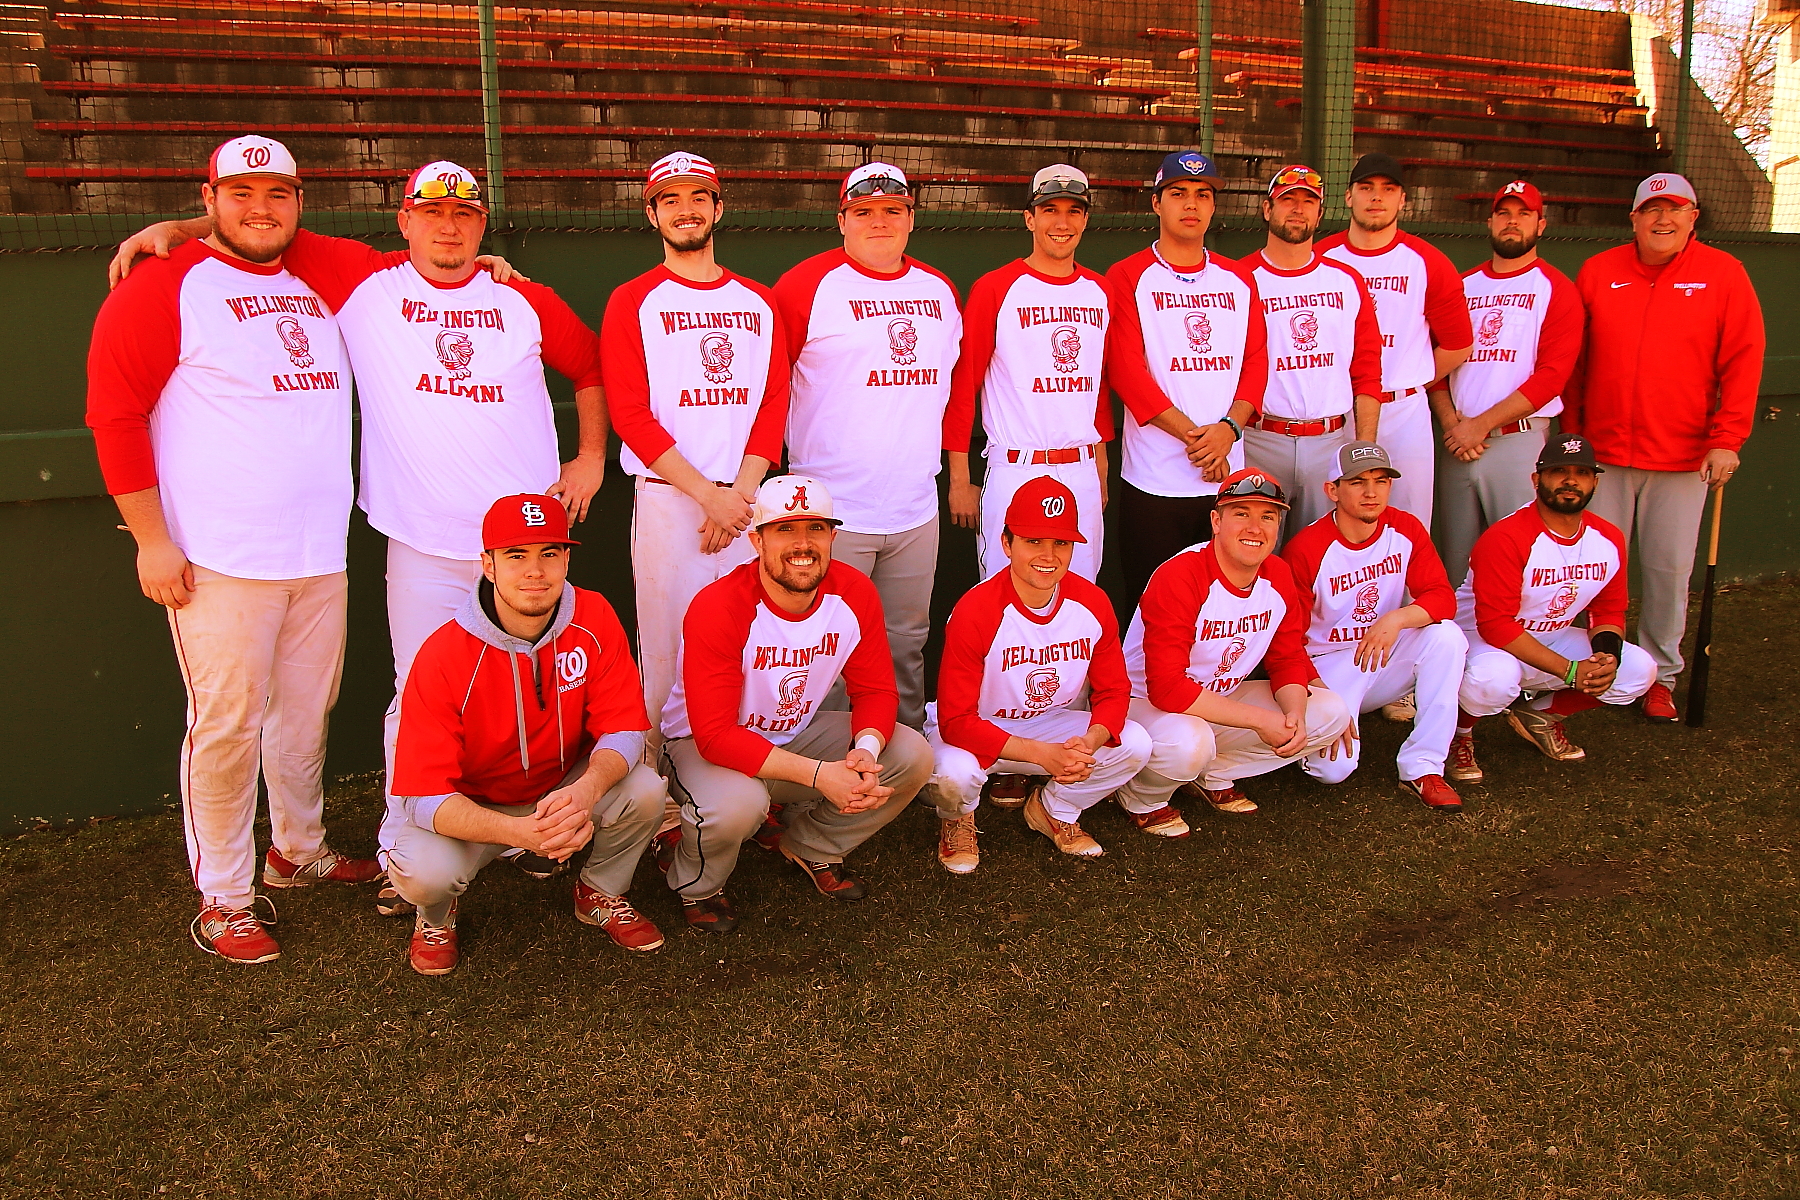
x: 1666, y: 186
x: 252, y: 155
x: 792, y: 498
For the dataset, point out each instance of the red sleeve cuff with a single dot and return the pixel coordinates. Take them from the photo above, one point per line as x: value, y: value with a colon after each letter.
x: 737, y: 749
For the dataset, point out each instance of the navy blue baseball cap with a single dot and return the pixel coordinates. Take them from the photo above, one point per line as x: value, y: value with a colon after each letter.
x: 1185, y: 164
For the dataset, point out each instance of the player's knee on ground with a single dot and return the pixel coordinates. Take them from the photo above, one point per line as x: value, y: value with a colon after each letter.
x: 1637, y: 671
x: 1490, y: 682
x: 1180, y: 748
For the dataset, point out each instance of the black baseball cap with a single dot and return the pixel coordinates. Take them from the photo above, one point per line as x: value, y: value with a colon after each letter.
x: 1371, y: 166
x: 1568, y: 450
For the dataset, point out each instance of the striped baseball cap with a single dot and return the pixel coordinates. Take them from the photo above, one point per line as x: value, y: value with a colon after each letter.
x: 679, y: 167
x: 252, y: 155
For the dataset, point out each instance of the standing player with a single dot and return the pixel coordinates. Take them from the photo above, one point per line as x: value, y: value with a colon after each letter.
x: 220, y: 403
x: 1531, y: 576
x: 1189, y: 357
x: 1211, y: 616
x: 1033, y: 682
x: 1324, y: 349
x: 1666, y: 391
x: 1498, y: 403
x: 743, y: 725
x: 1034, y: 347
x: 873, y: 337
x: 1425, y: 328
x: 522, y: 725
x: 697, y: 382
x: 1383, y: 619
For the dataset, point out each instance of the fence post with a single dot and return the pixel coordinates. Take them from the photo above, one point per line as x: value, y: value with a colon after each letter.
x: 1328, y: 90
x: 1203, y: 73
x: 1684, y: 88
x: 490, y: 118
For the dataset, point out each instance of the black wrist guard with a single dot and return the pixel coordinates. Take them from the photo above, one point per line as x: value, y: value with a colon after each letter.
x: 1608, y: 642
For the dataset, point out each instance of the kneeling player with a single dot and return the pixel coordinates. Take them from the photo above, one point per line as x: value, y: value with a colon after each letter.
x: 760, y: 649
x: 1383, y: 619
x: 522, y: 724
x: 1032, y: 682
x: 1211, y: 616
x: 1530, y: 576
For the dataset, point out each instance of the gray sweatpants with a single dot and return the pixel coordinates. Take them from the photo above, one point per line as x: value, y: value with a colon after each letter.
x: 903, y: 566
x: 1665, y: 509
x: 1472, y: 496
x: 721, y: 808
x: 431, y: 870
x: 1301, y: 465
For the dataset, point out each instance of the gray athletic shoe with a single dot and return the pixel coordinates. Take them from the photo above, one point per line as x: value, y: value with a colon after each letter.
x: 1545, y: 732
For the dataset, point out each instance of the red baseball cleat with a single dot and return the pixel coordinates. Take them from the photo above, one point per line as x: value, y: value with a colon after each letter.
x: 625, y: 925
x: 236, y: 935
x: 1659, y: 704
x: 433, y: 950
x: 1436, y: 794
x: 329, y: 867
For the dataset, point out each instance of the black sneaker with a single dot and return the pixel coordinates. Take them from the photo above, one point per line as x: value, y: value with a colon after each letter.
x: 539, y: 867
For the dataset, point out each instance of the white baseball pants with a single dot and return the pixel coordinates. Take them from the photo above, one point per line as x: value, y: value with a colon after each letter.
x: 1493, y: 678
x: 1406, y: 431
x: 1301, y: 465
x: 261, y: 660
x: 1427, y: 662
x: 959, y: 775
x: 1665, y: 509
x: 1180, y: 748
x: 1004, y: 478
x: 424, y: 592
x: 1242, y: 753
x: 668, y: 569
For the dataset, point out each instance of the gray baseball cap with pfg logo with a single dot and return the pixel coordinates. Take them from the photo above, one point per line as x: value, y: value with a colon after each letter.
x: 1354, y: 458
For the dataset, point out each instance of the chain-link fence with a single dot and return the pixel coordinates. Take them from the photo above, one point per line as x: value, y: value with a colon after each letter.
x: 113, y: 107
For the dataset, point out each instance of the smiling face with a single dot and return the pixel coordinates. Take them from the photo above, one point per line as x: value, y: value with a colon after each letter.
x: 685, y: 215
x: 1363, y: 497
x: 1375, y: 203
x: 254, y: 216
x: 795, y: 554
x: 1565, y: 489
x: 875, y: 231
x: 527, y: 579
x: 443, y: 234
x: 1293, y: 216
x: 1244, y: 531
x: 1185, y: 210
x: 1038, y: 564
x: 1662, y: 228
x: 1056, y: 227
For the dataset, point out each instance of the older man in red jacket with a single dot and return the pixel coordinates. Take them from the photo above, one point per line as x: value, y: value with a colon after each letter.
x: 1665, y: 390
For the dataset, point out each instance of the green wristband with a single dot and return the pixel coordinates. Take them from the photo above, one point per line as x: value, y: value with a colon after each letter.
x: 1570, y: 677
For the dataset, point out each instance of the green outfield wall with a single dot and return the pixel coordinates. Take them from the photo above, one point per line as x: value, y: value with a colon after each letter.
x: 91, y: 706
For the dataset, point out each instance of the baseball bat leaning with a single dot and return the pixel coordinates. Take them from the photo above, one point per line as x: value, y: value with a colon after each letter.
x: 1702, y: 671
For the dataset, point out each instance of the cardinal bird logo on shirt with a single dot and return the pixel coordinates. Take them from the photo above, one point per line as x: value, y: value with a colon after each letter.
x: 456, y: 352
x: 1366, y: 600
x: 1492, y: 322
x: 1199, y: 332
x: 1562, y: 602
x: 790, y: 695
x: 903, y: 341
x: 715, y: 357
x: 1304, y: 325
x: 1229, y: 658
x: 293, y: 340
x: 1040, y: 688
x: 1065, y: 348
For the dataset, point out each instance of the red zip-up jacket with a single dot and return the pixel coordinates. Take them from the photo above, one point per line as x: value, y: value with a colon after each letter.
x: 1673, y: 358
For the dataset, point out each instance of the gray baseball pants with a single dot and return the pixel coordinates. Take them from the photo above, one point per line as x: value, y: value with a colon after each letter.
x: 903, y: 566
x: 1472, y: 496
x: 1664, y: 508
x: 1302, y: 465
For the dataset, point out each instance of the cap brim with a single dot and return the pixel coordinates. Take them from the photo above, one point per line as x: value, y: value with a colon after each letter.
x: 1040, y: 531
x: 293, y: 179
x: 797, y: 517
x: 652, y: 190
x: 1222, y: 499
x: 547, y: 542
x: 1296, y: 187
x: 1037, y: 199
x: 907, y: 199
x: 1678, y: 201
x: 418, y: 201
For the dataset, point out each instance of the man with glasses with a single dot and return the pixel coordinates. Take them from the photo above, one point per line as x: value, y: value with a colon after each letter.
x: 873, y: 337
x: 1189, y: 357
x: 1034, y: 348
x: 1324, y: 349
x: 696, y: 376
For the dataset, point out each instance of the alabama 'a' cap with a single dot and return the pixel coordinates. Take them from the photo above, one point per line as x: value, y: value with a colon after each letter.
x: 792, y: 498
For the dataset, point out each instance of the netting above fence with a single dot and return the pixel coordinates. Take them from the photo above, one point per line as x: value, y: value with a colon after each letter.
x: 117, y: 105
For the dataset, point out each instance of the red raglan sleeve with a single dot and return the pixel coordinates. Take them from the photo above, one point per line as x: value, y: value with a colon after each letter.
x: 1498, y: 563
x: 1127, y: 367
x: 568, y: 347
x: 979, y: 318
x: 135, y: 347
x: 1287, y: 660
x: 869, y: 671
x: 769, y: 430
x: 713, y: 634
x: 1170, y: 609
x: 1426, y: 579
x: 1365, y: 359
x: 428, y: 756
x: 1304, y: 552
x: 968, y: 637
x: 1446, y: 307
x: 1104, y: 425
x: 794, y: 293
x: 1109, y: 686
x: 1742, y: 342
x: 334, y: 266
x: 626, y: 376
x: 1609, y: 606
x: 1559, y: 344
x: 615, y: 694
x: 1253, y: 379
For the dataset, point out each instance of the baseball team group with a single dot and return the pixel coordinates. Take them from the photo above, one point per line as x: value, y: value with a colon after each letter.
x: 1340, y: 494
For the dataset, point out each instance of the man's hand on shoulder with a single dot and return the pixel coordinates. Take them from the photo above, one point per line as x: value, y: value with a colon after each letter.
x: 500, y: 269
x: 158, y: 239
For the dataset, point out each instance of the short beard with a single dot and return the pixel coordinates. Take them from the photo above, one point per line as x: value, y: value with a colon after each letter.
x: 533, y: 608
x: 1512, y: 250
x: 259, y: 257
x: 787, y: 577
x: 1550, y: 500
x: 1291, y: 238
x: 689, y: 242
x: 1369, y: 226
x: 449, y: 264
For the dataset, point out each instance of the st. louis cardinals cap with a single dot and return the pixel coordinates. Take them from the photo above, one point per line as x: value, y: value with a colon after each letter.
x: 1525, y: 193
x: 442, y: 182
x: 1568, y: 450
x: 792, y: 498
x: 1664, y: 187
x: 1297, y: 177
x: 874, y: 179
x: 1353, y: 458
x: 1057, y: 182
x: 1252, y: 484
x: 252, y: 155
x: 680, y: 167
x: 1378, y: 166
x: 525, y: 520
x: 1044, y: 508
x: 1185, y: 165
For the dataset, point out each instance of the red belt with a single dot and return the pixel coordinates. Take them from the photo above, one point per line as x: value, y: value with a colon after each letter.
x: 666, y: 483
x: 1515, y: 427
x: 1315, y: 428
x: 1390, y: 397
x: 1038, y: 458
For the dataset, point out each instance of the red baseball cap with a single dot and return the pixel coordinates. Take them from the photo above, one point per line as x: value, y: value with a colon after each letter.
x: 442, y: 182
x: 1044, y: 508
x: 680, y: 167
x: 525, y: 520
x: 1252, y: 484
x: 1525, y: 193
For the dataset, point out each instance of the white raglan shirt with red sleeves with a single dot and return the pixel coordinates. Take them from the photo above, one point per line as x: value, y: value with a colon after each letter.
x: 1525, y: 579
x: 1195, y: 329
x: 1353, y: 586
x: 1311, y: 316
x: 1035, y: 347
x: 1233, y: 628
x: 1527, y: 337
x: 873, y: 356
x: 1417, y: 293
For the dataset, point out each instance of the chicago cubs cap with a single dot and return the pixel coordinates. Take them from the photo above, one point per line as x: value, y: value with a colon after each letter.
x: 792, y: 498
x: 1296, y: 177
x: 1058, y: 181
x: 1353, y: 458
x: 442, y: 182
x: 1183, y: 165
x: 525, y: 520
x: 1251, y: 484
x: 1378, y: 166
x: 1044, y: 508
x: 1568, y: 450
x: 874, y: 179
x: 680, y: 167
x: 1527, y: 194
x: 1664, y: 187
x: 252, y: 155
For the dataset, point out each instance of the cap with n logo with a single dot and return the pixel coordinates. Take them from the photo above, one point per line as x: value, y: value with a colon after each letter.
x: 525, y: 520
x: 252, y: 155
x: 1044, y: 508
x: 792, y: 498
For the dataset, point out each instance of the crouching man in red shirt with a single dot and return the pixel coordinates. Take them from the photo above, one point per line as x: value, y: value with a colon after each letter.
x: 522, y: 725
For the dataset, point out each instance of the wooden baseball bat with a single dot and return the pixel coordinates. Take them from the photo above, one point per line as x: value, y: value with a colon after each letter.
x: 1701, y: 672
